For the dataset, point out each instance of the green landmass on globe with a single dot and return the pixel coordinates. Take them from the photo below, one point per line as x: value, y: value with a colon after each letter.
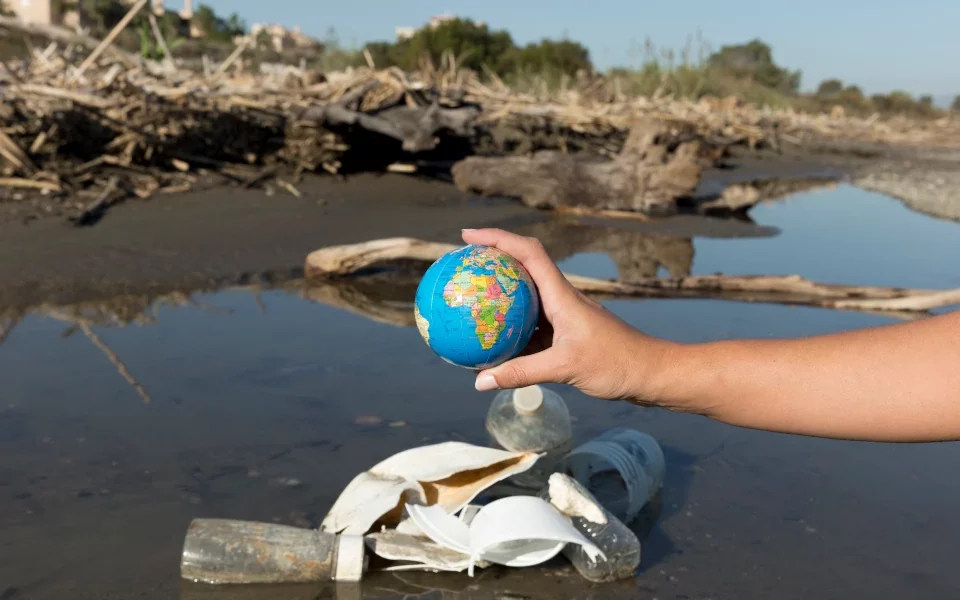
x: 489, y: 297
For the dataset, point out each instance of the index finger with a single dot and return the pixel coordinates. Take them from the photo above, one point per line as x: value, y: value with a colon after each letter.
x: 529, y: 252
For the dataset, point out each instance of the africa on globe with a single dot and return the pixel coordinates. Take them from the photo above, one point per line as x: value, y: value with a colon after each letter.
x: 476, y: 307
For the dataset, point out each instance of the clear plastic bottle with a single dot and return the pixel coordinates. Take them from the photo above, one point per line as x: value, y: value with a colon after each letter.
x: 223, y: 551
x: 531, y: 419
x: 621, y: 548
x: 623, y: 468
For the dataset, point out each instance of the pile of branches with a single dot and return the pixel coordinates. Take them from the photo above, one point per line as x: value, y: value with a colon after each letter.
x: 87, y: 125
x: 90, y: 128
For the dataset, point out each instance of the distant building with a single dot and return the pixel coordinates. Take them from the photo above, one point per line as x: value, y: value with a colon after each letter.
x: 278, y: 37
x: 34, y: 11
x: 439, y: 20
x: 46, y: 12
x: 405, y: 33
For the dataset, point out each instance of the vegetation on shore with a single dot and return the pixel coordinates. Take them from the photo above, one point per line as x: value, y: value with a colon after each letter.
x: 746, y: 71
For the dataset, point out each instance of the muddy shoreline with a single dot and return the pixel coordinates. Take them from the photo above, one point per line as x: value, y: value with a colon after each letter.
x: 221, y: 236
x: 226, y: 235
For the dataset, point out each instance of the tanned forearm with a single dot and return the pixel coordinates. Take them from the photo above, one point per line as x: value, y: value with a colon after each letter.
x: 897, y: 383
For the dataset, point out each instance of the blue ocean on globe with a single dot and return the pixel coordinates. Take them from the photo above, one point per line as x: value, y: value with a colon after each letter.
x: 476, y: 307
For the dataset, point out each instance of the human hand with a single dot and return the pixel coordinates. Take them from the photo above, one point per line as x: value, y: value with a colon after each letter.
x: 579, y: 342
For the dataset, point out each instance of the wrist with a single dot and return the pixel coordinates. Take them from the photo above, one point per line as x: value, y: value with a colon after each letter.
x: 677, y: 376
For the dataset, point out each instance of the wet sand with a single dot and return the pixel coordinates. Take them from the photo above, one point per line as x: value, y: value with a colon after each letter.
x: 227, y: 235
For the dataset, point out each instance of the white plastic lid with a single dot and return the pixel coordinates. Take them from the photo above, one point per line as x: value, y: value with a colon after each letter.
x: 351, y: 558
x: 528, y: 400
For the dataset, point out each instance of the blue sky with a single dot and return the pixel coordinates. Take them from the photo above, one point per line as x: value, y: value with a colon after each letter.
x: 880, y: 44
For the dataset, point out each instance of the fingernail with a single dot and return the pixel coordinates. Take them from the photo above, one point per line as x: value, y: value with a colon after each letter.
x: 466, y: 230
x: 486, y: 383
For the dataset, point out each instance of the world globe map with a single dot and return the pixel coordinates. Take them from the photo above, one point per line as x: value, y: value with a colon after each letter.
x: 476, y: 307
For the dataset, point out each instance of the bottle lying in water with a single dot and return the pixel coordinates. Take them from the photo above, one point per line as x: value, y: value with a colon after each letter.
x: 620, y: 546
x: 622, y: 468
x: 531, y: 419
x: 221, y: 551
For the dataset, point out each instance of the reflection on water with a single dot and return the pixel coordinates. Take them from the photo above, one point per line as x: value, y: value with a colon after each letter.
x: 849, y: 236
x: 261, y: 404
x: 636, y: 255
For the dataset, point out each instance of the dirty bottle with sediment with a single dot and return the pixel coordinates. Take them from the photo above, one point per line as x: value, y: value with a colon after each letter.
x: 220, y: 551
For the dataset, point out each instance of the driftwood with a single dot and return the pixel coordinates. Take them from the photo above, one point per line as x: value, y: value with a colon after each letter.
x: 347, y: 260
x: 94, y: 211
x: 416, y: 127
x: 646, y: 177
x: 340, y: 261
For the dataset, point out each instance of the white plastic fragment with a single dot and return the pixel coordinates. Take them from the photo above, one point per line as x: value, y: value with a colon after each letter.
x: 517, y: 531
x: 409, y: 552
x: 449, y: 474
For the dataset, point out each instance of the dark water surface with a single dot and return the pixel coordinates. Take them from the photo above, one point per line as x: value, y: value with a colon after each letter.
x: 255, y: 400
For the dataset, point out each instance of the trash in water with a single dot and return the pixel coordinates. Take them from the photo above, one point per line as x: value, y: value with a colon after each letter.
x: 415, y: 509
x: 519, y: 531
x: 449, y: 474
x: 227, y: 551
x: 623, y: 468
x: 414, y: 552
x: 620, y: 546
x: 531, y: 419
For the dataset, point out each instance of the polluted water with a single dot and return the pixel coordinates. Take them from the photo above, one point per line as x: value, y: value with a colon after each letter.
x: 622, y: 466
x: 434, y: 507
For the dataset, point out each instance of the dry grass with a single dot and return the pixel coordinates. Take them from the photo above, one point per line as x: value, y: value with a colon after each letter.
x: 60, y: 128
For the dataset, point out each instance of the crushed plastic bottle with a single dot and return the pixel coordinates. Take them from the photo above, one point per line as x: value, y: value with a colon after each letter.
x: 622, y: 468
x: 531, y: 419
x: 621, y: 548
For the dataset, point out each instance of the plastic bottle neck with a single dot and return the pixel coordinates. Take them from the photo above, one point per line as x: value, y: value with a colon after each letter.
x: 528, y: 400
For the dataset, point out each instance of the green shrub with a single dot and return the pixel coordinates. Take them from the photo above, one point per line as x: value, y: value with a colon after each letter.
x: 753, y: 61
x: 830, y: 87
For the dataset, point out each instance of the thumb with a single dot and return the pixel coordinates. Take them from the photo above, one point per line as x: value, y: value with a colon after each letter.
x: 541, y: 367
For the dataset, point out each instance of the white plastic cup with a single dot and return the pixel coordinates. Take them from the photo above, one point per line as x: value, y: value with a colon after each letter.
x: 635, y: 456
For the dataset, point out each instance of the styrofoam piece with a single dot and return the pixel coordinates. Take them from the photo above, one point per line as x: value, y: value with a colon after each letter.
x: 517, y: 531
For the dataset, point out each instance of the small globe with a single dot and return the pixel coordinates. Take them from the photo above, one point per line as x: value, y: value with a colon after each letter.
x: 476, y: 307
